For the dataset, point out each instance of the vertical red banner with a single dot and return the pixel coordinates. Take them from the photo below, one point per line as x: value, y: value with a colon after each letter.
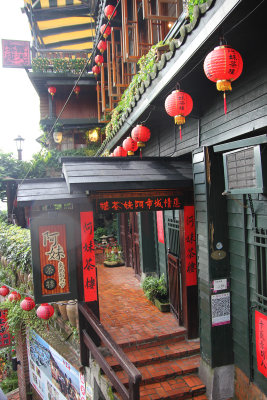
x: 261, y: 342
x: 190, y: 245
x: 5, y: 339
x: 88, y: 256
x: 160, y: 227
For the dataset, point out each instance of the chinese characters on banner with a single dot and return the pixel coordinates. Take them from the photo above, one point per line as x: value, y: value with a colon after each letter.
x: 190, y: 245
x: 160, y: 227
x: 261, y: 341
x: 53, y: 259
x: 151, y: 203
x: 88, y: 256
x: 5, y: 339
x: 16, y: 53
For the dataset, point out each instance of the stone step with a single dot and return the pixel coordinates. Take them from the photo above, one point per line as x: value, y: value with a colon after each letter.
x: 157, y: 339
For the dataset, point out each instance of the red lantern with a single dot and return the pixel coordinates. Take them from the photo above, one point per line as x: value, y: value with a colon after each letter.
x: 178, y: 105
x: 27, y: 304
x: 102, y: 46
x: 96, y: 70
x: 109, y: 11
x: 105, y: 30
x: 45, y: 311
x: 99, y: 60
x: 14, y: 296
x: 130, y: 146
x: 223, y: 65
x: 52, y: 90
x: 4, y: 291
x: 120, y: 152
x: 77, y: 90
x: 140, y: 134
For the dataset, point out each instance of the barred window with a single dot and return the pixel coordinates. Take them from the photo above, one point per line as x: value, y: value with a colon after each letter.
x: 260, y: 242
x: 173, y: 231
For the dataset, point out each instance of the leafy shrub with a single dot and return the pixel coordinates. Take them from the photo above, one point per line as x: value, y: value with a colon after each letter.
x: 100, y: 232
x: 155, y: 288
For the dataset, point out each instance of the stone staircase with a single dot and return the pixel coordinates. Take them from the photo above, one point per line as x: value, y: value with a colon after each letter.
x: 168, y: 364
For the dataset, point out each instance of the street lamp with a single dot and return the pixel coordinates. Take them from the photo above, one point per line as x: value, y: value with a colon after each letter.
x: 19, y: 140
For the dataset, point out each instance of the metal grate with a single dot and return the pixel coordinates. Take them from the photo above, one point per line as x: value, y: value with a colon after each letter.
x: 260, y: 242
x: 173, y: 232
x: 241, y: 170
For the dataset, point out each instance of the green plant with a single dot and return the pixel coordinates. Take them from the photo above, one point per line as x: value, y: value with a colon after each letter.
x: 155, y: 288
x: 113, y: 254
x: 10, y: 382
x: 99, y: 232
x: 191, y: 4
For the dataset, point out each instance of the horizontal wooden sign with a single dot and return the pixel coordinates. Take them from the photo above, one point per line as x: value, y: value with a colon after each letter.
x: 16, y: 53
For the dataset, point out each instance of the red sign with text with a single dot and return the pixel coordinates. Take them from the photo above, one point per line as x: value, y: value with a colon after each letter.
x: 5, y: 339
x: 160, y: 227
x: 261, y: 341
x: 88, y: 256
x: 190, y: 245
x: 16, y: 53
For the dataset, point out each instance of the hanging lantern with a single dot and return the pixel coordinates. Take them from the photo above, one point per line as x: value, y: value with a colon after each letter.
x: 4, y: 291
x: 109, y: 11
x: 14, y: 296
x: 140, y: 134
x: 45, y: 311
x: 105, y: 30
x: 99, y: 60
x: 27, y: 304
x: 102, y: 46
x: 120, y: 152
x: 130, y: 146
x: 178, y: 105
x: 52, y: 90
x: 77, y: 90
x: 223, y: 65
x: 96, y: 70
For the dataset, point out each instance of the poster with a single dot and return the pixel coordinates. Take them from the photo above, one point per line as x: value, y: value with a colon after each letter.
x: 261, y: 342
x: 220, y: 309
x: 50, y: 374
x: 160, y: 227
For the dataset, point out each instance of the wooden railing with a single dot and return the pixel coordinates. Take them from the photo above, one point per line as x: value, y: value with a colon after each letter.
x: 94, y: 326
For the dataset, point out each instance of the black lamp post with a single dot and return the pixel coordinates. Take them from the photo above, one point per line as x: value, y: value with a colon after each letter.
x: 19, y: 140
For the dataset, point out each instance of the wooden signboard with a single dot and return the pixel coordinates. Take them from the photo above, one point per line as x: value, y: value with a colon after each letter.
x: 54, y: 270
x: 190, y: 245
x: 5, y: 339
x: 261, y: 342
x: 16, y: 53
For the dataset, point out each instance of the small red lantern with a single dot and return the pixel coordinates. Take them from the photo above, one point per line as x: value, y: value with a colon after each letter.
x: 178, y: 105
x: 96, y: 70
x: 130, y: 146
x: 105, y: 30
x: 109, y: 11
x: 223, y: 65
x: 140, y: 134
x: 27, y: 304
x: 45, y: 311
x: 99, y: 60
x: 77, y: 90
x: 120, y: 152
x: 4, y: 291
x: 102, y: 46
x: 14, y: 296
x: 52, y: 90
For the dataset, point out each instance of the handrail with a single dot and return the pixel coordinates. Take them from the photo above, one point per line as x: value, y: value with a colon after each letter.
x: 133, y: 373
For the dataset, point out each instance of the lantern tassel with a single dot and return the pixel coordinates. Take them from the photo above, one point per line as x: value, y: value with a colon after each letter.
x: 225, y: 105
x: 181, y: 132
x: 141, y: 152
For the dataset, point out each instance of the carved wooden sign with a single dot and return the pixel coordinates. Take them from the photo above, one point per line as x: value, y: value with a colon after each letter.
x: 16, y: 53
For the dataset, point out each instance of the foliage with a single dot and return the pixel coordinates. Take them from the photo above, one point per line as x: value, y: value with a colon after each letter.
x: 191, y: 4
x: 155, y: 288
x: 100, y: 232
x: 10, y: 382
x: 59, y: 65
x: 113, y: 254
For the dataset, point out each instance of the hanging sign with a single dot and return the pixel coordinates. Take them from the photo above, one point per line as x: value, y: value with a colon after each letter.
x: 16, y: 53
x: 190, y: 245
x: 160, y: 226
x: 261, y: 342
x: 88, y: 256
x: 5, y: 339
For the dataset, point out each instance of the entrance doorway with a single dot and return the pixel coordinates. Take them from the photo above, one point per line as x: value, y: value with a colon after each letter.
x: 129, y: 235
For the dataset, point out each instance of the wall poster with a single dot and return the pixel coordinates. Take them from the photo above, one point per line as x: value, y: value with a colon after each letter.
x: 220, y: 309
x: 261, y: 342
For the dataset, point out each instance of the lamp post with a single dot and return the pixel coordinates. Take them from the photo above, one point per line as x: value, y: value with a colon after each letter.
x: 19, y: 140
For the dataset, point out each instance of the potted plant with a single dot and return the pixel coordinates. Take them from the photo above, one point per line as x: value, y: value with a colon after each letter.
x: 156, y: 291
x: 113, y: 257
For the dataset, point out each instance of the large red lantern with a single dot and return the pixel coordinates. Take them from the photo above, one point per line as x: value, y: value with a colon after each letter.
x: 99, y: 60
x: 178, y: 105
x: 27, y: 304
x: 96, y: 70
x: 223, y: 65
x: 120, y: 152
x: 102, y: 46
x: 45, y: 311
x: 109, y: 11
x: 105, y: 30
x: 130, y: 146
x: 4, y: 291
x: 77, y: 90
x: 140, y: 134
x: 14, y: 296
x: 52, y: 90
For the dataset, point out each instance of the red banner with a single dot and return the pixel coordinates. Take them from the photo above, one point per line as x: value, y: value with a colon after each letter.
x: 261, y: 341
x: 16, y: 53
x: 160, y: 227
x: 88, y: 256
x: 190, y: 245
x: 5, y: 339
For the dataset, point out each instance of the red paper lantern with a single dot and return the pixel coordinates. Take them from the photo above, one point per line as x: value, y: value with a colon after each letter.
x: 178, y: 105
x: 27, y: 304
x: 96, y: 70
x: 77, y: 90
x: 120, y: 152
x: 102, y: 46
x: 109, y: 11
x: 52, y: 90
x: 14, y: 296
x: 140, y: 134
x: 223, y: 65
x: 99, y: 60
x: 45, y: 311
x: 105, y: 30
x: 4, y: 291
x: 130, y: 146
